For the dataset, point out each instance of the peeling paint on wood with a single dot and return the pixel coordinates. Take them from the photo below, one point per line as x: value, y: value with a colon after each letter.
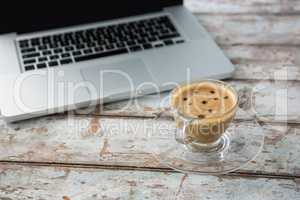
x: 130, y: 139
x: 130, y: 142
x: 252, y: 29
x: 94, y: 126
x: 265, y: 62
x: 245, y: 7
x: 181, y: 184
x: 275, y: 101
x: 42, y: 183
x: 104, y: 150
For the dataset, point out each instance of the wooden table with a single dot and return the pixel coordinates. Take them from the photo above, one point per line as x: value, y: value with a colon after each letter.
x: 103, y: 155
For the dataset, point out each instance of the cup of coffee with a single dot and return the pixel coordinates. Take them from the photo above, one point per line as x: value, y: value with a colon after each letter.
x: 207, y: 140
x: 203, y: 111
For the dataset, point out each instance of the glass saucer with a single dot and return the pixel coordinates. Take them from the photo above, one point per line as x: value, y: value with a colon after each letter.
x: 241, y: 143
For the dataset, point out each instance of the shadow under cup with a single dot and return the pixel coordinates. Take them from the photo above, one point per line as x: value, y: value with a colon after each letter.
x: 208, y: 133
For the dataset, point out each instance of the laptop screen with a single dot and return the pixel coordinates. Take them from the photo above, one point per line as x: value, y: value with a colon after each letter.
x: 26, y: 16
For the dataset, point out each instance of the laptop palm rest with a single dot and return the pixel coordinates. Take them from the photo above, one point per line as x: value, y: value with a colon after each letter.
x: 118, y: 80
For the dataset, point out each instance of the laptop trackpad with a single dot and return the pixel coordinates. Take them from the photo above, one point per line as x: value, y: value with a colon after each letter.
x: 113, y: 79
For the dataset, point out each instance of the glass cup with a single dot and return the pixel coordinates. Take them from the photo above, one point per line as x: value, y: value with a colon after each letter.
x: 203, y: 132
x: 208, y: 139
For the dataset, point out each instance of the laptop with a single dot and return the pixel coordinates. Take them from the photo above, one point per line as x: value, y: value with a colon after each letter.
x: 54, y: 57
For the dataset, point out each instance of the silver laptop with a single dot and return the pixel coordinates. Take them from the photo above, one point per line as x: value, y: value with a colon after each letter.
x: 53, y: 58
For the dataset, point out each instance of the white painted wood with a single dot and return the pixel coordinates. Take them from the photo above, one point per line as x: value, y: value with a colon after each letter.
x: 25, y: 183
x: 252, y: 29
x: 126, y: 142
x: 242, y: 6
x: 264, y: 62
x: 268, y: 102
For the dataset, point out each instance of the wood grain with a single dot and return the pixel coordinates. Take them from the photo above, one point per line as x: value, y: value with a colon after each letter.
x: 264, y: 62
x: 252, y: 29
x: 92, y: 184
x: 240, y: 6
x: 272, y: 101
x: 116, y: 141
x: 128, y: 142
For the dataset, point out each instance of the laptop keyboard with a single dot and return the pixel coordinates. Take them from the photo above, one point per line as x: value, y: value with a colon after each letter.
x: 93, y: 43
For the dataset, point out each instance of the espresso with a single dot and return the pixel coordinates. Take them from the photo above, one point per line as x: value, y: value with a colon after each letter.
x: 212, y: 107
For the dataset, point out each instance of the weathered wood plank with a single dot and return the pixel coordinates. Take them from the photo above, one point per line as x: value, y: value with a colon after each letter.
x: 253, y: 29
x: 273, y: 101
x: 240, y: 6
x: 73, y: 184
x: 264, y: 62
x: 288, y: 55
x: 126, y: 142
x: 79, y: 139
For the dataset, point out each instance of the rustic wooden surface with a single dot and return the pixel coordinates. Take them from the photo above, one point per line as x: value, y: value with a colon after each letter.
x: 77, y: 183
x: 104, y: 153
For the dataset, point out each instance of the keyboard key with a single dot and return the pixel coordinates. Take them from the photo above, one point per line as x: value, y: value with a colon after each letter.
x: 164, y: 32
x: 91, y: 44
x: 41, y: 65
x: 152, y: 39
x: 168, y: 42
x: 87, y: 51
x: 80, y: 46
x: 120, y: 44
x: 169, y: 36
x: 77, y: 53
x: 66, y: 61
x: 43, y: 47
x: 29, y: 67
x: 24, y: 46
x: 65, y: 43
x: 100, y: 55
x: 131, y: 43
x: 28, y: 50
x: 135, y: 48
x: 45, y: 53
x: 159, y: 45
x: 54, y: 57
x: 46, y: 39
x: 53, y: 63
x: 53, y: 45
x: 57, y: 38
x: 141, y: 41
x: 101, y: 42
x: 31, y: 55
x: 43, y: 59
x: 65, y: 55
x: 69, y: 48
x: 147, y: 46
x: 109, y: 47
x: 24, y: 43
x: 97, y: 49
x: 180, y: 41
x: 35, y: 41
x: 29, y: 61
x: 59, y: 50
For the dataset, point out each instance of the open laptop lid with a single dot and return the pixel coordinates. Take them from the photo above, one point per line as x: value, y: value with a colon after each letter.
x: 26, y: 16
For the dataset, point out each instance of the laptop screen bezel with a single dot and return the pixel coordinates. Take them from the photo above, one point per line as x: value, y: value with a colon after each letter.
x: 9, y: 25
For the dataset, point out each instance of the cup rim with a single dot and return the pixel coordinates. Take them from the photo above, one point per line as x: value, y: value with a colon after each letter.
x: 202, y: 81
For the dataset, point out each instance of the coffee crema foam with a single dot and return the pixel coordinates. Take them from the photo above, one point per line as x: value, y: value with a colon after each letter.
x: 203, y: 100
x: 211, y: 105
